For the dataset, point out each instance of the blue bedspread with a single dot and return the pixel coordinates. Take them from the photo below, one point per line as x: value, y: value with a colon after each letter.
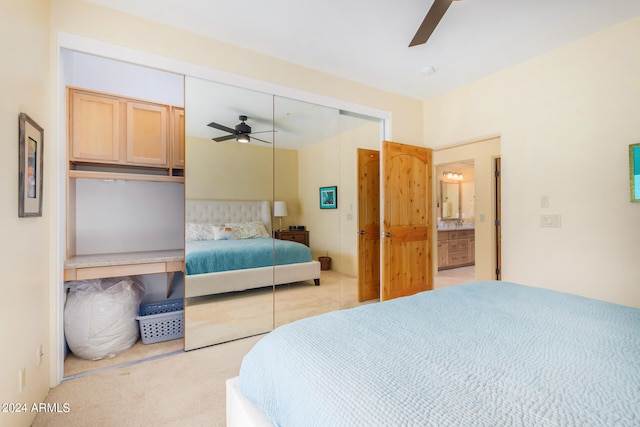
x: 480, y: 354
x: 210, y: 256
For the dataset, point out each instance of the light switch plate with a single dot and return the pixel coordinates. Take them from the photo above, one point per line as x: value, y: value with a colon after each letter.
x: 544, y: 201
x: 553, y: 221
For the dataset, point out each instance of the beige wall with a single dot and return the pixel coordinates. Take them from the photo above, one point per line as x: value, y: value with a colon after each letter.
x: 231, y: 171
x: 228, y: 171
x: 24, y: 254
x: 565, y: 119
x: 286, y: 186
x: 320, y: 167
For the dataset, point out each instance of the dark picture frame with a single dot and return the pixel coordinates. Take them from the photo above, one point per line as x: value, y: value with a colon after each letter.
x: 31, y: 167
x: 329, y: 197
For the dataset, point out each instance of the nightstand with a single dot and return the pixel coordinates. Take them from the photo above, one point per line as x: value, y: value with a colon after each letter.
x: 300, y: 236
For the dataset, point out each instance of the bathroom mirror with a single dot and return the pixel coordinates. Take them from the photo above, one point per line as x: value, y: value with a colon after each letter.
x: 450, y: 200
x: 634, y: 171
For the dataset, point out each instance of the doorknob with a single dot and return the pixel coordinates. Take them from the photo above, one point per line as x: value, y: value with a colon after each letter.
x: 387, y: 234
x: 362, y: 232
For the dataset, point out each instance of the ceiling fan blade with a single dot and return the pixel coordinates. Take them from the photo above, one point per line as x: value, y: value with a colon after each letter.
x: 435, y: 14
x: 261, y: 140
x: 222, y: 127
x: 224, y: 138
x: 263, y: 131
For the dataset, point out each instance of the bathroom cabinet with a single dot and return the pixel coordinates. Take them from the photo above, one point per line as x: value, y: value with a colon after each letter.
x: 456, y: 248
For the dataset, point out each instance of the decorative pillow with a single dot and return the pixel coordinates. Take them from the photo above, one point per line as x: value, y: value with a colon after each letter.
x: 222, y: 233
x: 199, y: 231
x: 248, y: 230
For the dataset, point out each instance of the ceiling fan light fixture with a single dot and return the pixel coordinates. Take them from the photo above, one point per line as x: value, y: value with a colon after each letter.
x: 241, y: 132
x: 243, y: 128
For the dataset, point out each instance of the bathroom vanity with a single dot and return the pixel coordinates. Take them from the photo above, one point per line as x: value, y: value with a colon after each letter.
x: 456, y: 248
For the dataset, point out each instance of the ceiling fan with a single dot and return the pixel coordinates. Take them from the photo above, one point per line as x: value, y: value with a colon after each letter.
x: 430, y: 22
x: 241, y: 132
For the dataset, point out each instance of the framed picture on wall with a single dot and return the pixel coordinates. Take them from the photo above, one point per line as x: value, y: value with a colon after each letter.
x: 30, y: 169
x: 634, y: 171
x: 329, y: 197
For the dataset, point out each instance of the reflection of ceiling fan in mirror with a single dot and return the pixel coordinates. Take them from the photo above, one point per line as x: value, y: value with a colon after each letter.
x: 430, y: 22
x: 241, y: 132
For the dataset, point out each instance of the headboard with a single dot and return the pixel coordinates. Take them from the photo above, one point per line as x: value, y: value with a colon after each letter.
x: 225, y: 211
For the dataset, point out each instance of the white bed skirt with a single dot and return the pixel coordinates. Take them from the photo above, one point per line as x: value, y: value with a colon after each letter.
x: 240, y: 280
x: 241, y: 412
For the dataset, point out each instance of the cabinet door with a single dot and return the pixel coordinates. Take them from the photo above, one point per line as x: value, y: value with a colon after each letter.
x: 94, y: 128
x: 443, y: 254
x: 177, y: 138
x: 147, y: 134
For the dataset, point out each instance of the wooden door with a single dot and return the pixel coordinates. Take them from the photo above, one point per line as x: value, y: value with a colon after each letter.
x: 407, y: 266
x: 147, y: 134
x: 498, y: 224
x: 368, y: 224
x: 94, y: 127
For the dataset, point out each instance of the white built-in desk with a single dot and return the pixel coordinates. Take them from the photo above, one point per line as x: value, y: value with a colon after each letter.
x: 98, y: 266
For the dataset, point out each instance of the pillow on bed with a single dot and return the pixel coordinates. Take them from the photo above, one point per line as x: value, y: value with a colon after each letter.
x: 248, y: 230
x: 199, y: 231
x: 222, y: 233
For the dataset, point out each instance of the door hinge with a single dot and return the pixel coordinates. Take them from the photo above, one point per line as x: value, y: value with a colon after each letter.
x: 497, y: 271
x: 497, y: 174
x: 497, y: 223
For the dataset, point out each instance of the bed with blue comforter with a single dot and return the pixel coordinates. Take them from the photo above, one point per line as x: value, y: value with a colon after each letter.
x: 212, y: 256
x: 479, y: 354
x: 218, y: 262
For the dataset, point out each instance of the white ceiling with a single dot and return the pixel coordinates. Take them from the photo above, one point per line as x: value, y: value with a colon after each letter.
x: 367, y: 41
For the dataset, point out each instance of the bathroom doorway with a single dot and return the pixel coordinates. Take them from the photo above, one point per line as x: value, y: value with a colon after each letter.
x: 455, y: 221
x: 472, y: 167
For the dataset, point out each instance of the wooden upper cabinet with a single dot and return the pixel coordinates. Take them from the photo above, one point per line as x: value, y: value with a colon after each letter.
x: 147, y: 134
x: 110, y: 129
x: 94, y: 127
x: 177, y: 138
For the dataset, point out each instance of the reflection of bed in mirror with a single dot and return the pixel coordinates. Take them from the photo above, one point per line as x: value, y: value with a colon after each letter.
x: 218, y: 266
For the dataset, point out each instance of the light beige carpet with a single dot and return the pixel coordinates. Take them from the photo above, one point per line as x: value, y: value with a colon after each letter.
x: 184, y: 389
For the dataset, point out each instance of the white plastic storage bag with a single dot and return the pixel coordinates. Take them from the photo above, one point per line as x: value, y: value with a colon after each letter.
x: 100, y: 316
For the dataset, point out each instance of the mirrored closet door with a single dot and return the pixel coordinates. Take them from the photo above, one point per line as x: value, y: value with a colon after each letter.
x: 290, y: 165
x: 229, y: 199
x: 307, y: 154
